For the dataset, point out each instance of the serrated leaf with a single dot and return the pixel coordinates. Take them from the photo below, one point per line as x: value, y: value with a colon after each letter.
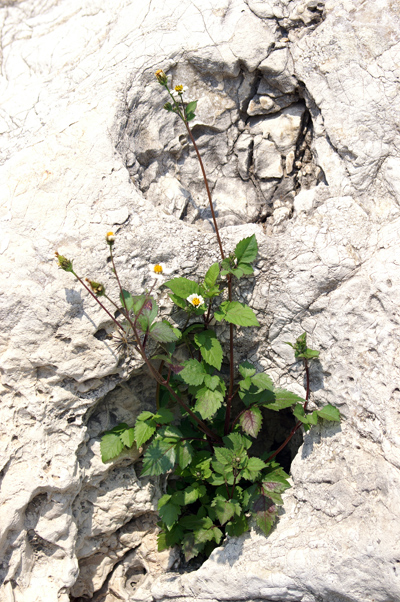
x: 208, y: 402
x: 193, y: 493
x: 184, y: 454
x: 168, y: 539
x: 246, y: 250
x: 211, y: 382
x: 191, y: 549
x: 253, y: 469
x: 299, y: 413
x: 183, y: 287
x: 193, y: 372
x: 163, y: 416
x: 212, y: 275
x: 283, y: 399
x: 246, y: 369
x: 143, y: 431
x: 145, y: 415
x: 329, y: 412
x: 251, y: 421
x: 236, y: 313
x: 309, y: 354
x: 223, y: 455
x: 237, y: 442
x: 159, y: 458
x: 225, y: 509
x: 210, y: 348
x: 237, y: 526
x: 313, y: 418
x: 128, y: 437
x: 169, y: 514
x: 265, y: 513
x: 162, y: 332
x: 262, y: 381
x: 110, y: 446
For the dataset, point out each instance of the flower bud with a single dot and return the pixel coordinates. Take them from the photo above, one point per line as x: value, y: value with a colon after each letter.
x: 64, y: 263
x: 161, y: 77
x: 96, y: 287
x: 110, y: 238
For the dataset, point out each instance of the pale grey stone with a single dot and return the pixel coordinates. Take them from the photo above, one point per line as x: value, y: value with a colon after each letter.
x: 86, y: 149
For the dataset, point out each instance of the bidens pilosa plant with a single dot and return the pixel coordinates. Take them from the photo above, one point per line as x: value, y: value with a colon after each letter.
x: 204, y: 425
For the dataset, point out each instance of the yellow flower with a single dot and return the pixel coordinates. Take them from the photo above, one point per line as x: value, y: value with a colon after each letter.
x: 158, y: 270
x: 179, y: 89
x: 195, y: 300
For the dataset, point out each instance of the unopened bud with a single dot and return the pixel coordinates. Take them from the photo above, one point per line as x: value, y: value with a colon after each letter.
x: 96, y: 287
x: 110, y: 238
x: 64, y: 263
x: 161, y: 77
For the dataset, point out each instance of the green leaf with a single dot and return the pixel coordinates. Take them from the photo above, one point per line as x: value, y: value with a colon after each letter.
x: 110, y: 446
x: 168, y: 539
x: 193, y: 372
x: 127, y: 297
x: 253, y: 469
x: 210, y: 348
x: 162, y: 332
x: 251, y: 421
x: 262, y: 381
x: 191, y: 107
x: 211, y: 382
x: 265, y: 513
x: 183, y: 287
x: 246, y: 369
x: 237, y: 272
x: 179, y: 301
x: 159, y: 458
x: 184, y: 454
x: 191, y: 549
x: 299, y: 413
x: 212, y: 275
x: 237, y: 442
x: 208, y: 402
x: 145, y: 415
x: 143, y: 431
x: 190, y: 116
x: 237, y: 526
x: 309, y: 354
x: 169, y: 514
x: 329, y: 412
x: 225, y: 509
x: 163, y: 416
x: 236, y: 313
x: 128, y: 437
x: 246, y: 250
x: 283, y: 399
x: 223, y: 455
x: 246, y: 268
x: 313, y: 418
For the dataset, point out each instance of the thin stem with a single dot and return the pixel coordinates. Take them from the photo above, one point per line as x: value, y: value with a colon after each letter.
x: 99, y: 302
x: 298, y: 423
x: 231, y: 366
x: 207, y: 188
x: 119, y: 284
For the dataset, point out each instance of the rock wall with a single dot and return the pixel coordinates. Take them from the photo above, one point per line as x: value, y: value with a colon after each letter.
x: 298, y: 120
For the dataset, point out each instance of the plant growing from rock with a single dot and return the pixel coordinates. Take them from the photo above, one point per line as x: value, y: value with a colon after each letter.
x: 205, y: 424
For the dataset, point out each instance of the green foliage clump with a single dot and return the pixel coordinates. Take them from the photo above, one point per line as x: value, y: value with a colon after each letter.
x: 206, y: 421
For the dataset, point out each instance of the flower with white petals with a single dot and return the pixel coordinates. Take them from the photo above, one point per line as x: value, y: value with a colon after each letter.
x: 180, y: 90
x: 195, y: 300
x: 158, y: 270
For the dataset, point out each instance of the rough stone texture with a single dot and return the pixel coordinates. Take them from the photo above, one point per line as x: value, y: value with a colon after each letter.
x: 298, y: 121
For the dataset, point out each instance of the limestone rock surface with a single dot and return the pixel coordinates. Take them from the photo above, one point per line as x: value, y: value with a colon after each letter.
x: 298, y: 124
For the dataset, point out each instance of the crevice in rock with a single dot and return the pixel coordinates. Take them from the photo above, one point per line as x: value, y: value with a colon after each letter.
x: 254, y: 131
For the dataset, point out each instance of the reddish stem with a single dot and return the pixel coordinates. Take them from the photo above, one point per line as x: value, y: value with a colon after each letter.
x: 298, y: 423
